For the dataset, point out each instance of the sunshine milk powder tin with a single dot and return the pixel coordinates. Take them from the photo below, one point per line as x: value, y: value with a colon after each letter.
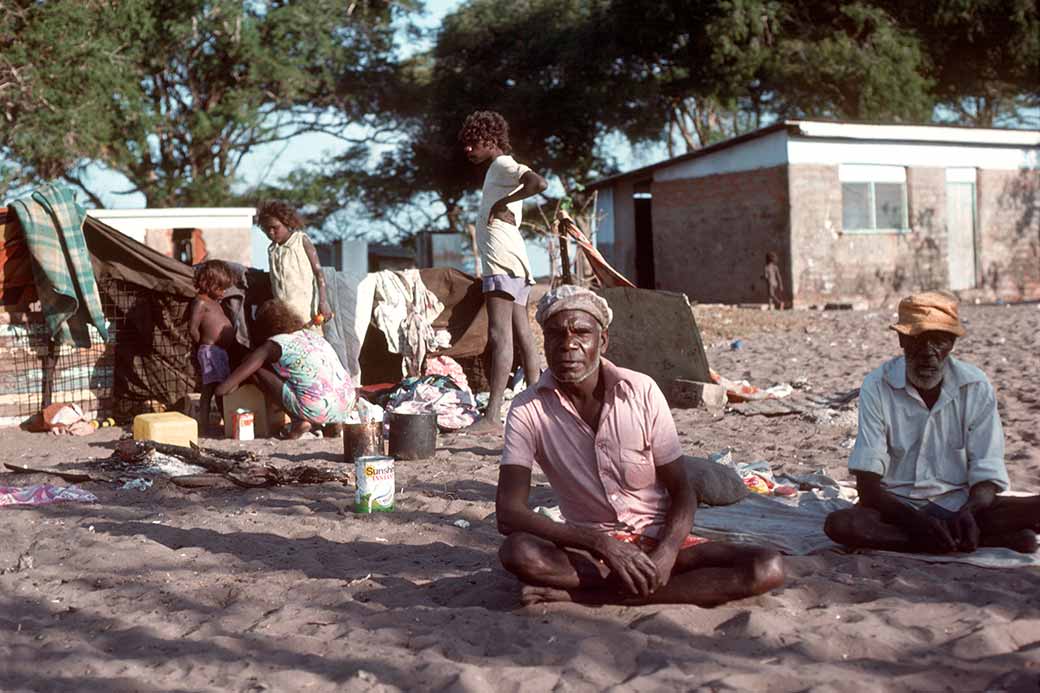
x: 375, y: 484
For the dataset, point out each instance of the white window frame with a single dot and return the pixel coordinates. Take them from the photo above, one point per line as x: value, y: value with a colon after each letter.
x: 870, y: 174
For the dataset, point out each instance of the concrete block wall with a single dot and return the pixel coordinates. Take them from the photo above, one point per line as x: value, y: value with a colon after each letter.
x: 84, y: 376
x: 830, y: 266
x: 232, y: 244
x: 711, y: 234
x: 1008, y: 233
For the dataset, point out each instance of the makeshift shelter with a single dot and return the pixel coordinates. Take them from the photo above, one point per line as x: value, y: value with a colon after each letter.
x: 148, y: 362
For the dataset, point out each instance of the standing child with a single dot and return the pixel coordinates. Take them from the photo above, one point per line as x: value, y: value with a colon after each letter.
x: 507, y: 276
x: 211, y: 330
x: 296, y: 276
x: 775, y: 282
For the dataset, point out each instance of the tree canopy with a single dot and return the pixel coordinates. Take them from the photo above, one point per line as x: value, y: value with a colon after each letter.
x: 174, y: 93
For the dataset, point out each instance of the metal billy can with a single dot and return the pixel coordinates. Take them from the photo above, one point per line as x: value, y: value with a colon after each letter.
x: 375, y: 484
x: 242, y: 428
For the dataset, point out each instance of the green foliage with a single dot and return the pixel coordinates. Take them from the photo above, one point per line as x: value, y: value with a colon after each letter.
x: 983, y: 57
x: 850, y: 61
x: 174, y: 93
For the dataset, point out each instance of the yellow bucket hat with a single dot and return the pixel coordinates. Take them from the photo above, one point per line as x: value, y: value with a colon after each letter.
x: 930, y: 310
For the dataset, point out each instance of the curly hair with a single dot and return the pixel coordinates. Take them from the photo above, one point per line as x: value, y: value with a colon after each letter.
x: 213, y: 277
x: 282, y: 211
x: 277, y: 317
x: 486, y: 126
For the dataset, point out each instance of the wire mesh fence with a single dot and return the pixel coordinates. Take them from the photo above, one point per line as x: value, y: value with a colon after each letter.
x: 146, y: 365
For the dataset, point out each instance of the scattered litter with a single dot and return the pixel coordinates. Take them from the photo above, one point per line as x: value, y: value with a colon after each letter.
x: 461, y: 524
x: 365, y: 412
x: 757, y: 476
x: 358, y: 581
x: 43, y: 494
x: 137, y: 485
x: 823, y: 486
x: 25, y: 562
x: 743, y: 391
x: 847, y: 418
x: 736, y: 344
x: 61, y: 419
x: 552, y: 512
x: 158, y: 464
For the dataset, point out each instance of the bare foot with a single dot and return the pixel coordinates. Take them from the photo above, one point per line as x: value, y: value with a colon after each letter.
x: 298, y: 429
x: 530, y: 595
x: 485, y: 426
x: 333, y: 430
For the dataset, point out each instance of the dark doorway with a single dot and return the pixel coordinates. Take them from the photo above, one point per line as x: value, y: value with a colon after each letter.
x: 642, y: 200
x: 188, y: 246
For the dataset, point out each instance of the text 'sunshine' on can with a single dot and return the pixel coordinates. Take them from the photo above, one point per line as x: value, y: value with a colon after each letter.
x: 375, y: 484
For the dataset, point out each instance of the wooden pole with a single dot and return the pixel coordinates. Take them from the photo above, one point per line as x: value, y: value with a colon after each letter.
x: 49, y: 363
x: 565, y: 252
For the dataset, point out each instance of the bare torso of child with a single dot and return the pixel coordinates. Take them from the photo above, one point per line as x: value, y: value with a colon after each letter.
x: 214, y: 326
x: 772, y: 274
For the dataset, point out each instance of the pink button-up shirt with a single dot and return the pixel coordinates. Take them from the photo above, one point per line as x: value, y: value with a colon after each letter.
x: 606, y: 480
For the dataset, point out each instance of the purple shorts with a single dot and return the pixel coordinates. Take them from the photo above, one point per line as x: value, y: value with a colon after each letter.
x: 516, y: 287
x: 213, y: 361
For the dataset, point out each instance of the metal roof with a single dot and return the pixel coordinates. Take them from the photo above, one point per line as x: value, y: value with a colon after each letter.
x: 847, y: 130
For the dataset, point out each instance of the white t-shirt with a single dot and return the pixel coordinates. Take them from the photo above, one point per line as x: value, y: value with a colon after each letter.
x: 502, y: 248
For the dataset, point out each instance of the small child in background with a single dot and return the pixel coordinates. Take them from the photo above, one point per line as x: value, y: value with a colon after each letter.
x: 211, y: 330
x: 775, y: 282
x: 296, y: 276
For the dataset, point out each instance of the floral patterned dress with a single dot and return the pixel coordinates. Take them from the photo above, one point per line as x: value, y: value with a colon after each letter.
x: 317, y: 387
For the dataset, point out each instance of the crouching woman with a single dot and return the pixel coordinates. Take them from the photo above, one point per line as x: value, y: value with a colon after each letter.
x: 297, y: 367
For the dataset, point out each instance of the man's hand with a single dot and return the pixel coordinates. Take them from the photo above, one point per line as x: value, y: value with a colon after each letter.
x: 964, y: 530
x: 224, y: 389
x: 325, y: 310
x: 634, y: 568
x: 932, y: 534
x: 500, y: 211
x: 664, y: 560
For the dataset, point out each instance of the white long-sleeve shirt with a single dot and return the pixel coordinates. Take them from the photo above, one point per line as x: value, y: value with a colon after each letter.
x: 932, y: 455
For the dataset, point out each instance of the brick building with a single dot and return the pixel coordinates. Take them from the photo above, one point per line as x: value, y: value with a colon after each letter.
x: 855, y: 212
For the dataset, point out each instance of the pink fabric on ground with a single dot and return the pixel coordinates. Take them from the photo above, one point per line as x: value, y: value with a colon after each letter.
x: 42, y: 494
x: 446, y: 365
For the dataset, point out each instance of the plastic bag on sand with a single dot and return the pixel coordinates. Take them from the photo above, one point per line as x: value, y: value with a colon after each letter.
x: 743, y: 391
x: 757, y: 476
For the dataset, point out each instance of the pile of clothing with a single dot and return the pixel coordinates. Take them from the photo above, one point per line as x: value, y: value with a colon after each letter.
x: 442, y: 391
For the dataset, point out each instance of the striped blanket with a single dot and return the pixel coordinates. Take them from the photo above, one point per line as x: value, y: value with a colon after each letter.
x: 53, y: 226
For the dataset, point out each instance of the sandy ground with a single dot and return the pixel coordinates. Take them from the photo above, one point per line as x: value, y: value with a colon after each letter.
x: 287, y: 589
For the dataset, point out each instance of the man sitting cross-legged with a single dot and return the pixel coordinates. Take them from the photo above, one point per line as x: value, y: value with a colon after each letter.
x: 929, y: 455
x: 605, y: 438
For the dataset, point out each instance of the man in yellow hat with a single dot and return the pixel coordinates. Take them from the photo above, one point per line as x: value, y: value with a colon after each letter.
x: 929, y: 454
